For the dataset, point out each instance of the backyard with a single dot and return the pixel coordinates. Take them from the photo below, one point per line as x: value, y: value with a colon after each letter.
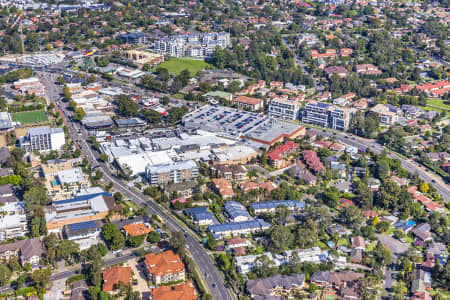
x: 176, y: 65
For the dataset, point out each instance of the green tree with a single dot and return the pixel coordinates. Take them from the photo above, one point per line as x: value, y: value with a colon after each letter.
x: 178, y: 241
x: 66, y: 249
x: 5, y: 274
x: 79, y: 114
x: 331, y: 197
x: 41, y: 278
x: 223, y: 261
x: 424, y: 187
x: 126, y: 106
x: 67, y: 94
x: 154, y: 237
x: 135, y: 241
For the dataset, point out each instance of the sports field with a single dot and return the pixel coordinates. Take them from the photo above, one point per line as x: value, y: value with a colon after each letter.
x: 29, y: 117
x: 176, y: 65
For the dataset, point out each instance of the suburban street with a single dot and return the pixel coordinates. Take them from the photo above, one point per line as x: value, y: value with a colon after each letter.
x: 70, y: 273
x: 442, y: 188
x: 197, y: 251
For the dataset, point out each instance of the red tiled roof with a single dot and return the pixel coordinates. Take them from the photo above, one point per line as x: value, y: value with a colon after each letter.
x: 278, y: 152
x: 184, y: 291
x: 137, y: 229
x: 114, y: 275
x: 164, y: 263
x: 248, y: 100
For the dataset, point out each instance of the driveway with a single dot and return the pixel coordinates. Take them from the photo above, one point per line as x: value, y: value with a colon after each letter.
x: 139, y: 274
x: 396, y: 247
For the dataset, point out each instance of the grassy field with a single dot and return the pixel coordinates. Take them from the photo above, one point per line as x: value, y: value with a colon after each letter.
x: 29, y: 117
x: 176, y: 65
x: 438, y: 103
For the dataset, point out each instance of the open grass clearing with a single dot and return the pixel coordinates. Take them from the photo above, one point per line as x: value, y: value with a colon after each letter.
x: 176, y: 65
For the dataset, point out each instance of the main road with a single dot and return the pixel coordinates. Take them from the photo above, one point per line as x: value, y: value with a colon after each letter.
x: 441, y: 187
x: 209, y: 271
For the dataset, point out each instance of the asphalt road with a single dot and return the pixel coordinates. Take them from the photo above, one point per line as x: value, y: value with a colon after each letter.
x: 209, y: 271
x: 70, y: 273
x: 441, y: 187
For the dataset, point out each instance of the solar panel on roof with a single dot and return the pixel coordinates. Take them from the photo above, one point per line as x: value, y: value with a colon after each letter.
x: 83, y: 225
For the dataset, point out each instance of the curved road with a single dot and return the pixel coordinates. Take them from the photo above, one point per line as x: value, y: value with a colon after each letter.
x: 442, y: 188
x: 204, y: 262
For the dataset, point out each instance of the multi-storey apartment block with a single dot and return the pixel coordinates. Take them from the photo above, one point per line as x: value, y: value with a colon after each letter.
x: 172, y: 172
x: 195, y: 45
x: 43, y: 139
x: 284, y: 109
x: 327, y: 115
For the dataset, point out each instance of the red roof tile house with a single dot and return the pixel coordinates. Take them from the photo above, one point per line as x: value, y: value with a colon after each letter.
x: 164, y: 267
x: 435, y: 89
x: 184, y: 291
x: 114, y: 275
x: 340, y: 71
x: 313, y: 161
x: 249, y: 103
x: 358, y: 243
x: 136, y: 229
x: 223, y: 187
x: 278, y: 156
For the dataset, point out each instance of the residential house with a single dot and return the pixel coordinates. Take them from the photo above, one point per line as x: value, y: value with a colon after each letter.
x: 223, y: 187
x: 358, y: 243
x: 275, y: 285
x: 278, y: 156
x: 183, y: 291
x: 114, y: 275
x: 230, y: 172
x: 367, y: 69
x: 421, y: 281
x: 28, y: 251
x: 7, y: 194
x: 313, y: 162
x: 136, y: 229
x: 164, y: 267
x: 201, y: 216
x: 248, y: 186
x: 302, y: 173
x: 271, y: 206
x: 237, y: 242
x: 238, y: 228
x: 340, y: 71
x: 385, y: 115
x: 422, y: 231
x: 13, y: 221
x: 236, y: 212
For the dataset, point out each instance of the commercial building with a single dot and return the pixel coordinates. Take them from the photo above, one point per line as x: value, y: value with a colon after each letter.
x: 88, y: 205
x: 271, y: 132
x: 327, y: 115
x: 249, y: 103
x: 164, y: 267
x: 141, y: 58
x: 284, y: 109
x: 175, y: 172
x: 5, y: 121
x: 84, y: 233
x: 30, y: 86
x: 236, y: 124
x: 97, y: 120
x: 43, y: 139
x: 238, y: 154
x: 194, y: 45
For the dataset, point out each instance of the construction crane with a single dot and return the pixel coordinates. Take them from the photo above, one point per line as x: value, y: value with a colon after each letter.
x: 18, y: 21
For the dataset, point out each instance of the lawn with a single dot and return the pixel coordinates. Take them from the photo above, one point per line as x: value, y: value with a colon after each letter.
x: 438, y: 104
x: 29, y: 117
x: 176, y: 65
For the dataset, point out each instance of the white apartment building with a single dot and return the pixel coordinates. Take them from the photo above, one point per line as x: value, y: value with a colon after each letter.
x: 13, y: 221
x: 43, y: 139
x: 284, y: 109
x: 194, y: 45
